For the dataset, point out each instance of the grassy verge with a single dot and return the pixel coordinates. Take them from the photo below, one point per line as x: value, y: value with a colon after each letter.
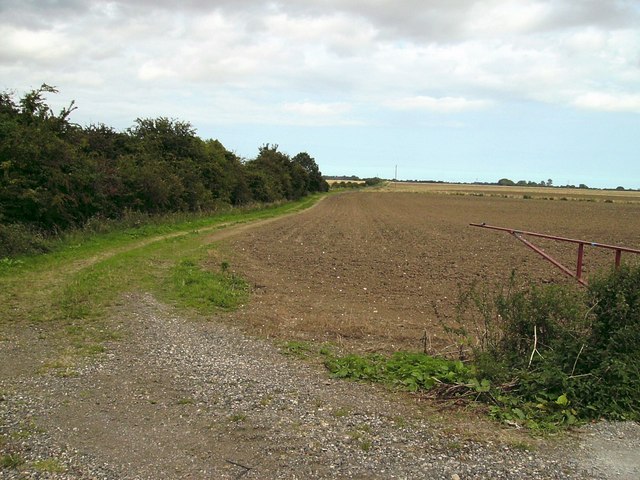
x: 64, y: 294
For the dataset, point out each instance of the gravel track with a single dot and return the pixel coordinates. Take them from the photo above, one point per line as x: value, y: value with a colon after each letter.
x: 183, y: 398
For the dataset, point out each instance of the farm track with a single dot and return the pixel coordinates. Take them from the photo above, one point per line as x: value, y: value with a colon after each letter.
x: 180, y: 397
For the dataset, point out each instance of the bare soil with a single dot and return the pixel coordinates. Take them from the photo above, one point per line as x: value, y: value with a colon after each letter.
x: 379, y: 270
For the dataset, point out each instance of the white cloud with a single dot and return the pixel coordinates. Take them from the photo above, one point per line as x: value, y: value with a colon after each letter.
x: 439, y: 105
x: 304, y: 54
x: 317, y: 109
x: 610, y: 102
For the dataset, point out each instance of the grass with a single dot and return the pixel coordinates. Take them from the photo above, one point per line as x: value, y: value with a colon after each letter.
x: 192, y: 286
x: 49, y: 465
x: 66, y: 293
x: 11, y: 460
x: 528, y: 193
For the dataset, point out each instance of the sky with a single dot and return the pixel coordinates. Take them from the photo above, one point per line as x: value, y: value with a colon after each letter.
x: 455, y: 90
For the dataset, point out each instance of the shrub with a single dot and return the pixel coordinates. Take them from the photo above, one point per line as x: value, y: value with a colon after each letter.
x: 565, y: 354
x: 18, y: 239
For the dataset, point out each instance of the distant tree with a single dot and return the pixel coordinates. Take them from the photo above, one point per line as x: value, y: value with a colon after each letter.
x: 582, y: 185
x: 620, y: 188
x: 506, y: 182
x: 549, y: 183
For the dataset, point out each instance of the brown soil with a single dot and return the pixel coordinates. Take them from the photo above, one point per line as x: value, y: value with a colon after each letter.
x: 378, y: 270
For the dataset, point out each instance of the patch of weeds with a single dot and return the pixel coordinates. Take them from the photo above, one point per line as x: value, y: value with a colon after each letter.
x: 363, y: 427
x: 556, y: 355
x: 341, y: 412
x: 238, y: 417
x: 266, y: 400
x: 326, y: 350
x: 25, y: 430
x: 62, y: 367
x: 296, y: 348
x: 11, y: 460
x: 409, y: 371
x: 185, y: 401
x: 203, y: 290
x: 400, y: 422
x: 365, y: 445
x: 522, y: 446
x: 49, y: 465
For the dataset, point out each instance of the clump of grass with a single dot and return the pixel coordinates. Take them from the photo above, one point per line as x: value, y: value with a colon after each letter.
x: 49, y: 465
x: 238, y: 417
x: 204, y: 290
x: 11, y: 460
x: 296, y: 348
x: 341, y: 412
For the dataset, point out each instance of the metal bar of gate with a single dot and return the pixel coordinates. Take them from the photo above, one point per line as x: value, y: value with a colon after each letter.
x: 581, y: 243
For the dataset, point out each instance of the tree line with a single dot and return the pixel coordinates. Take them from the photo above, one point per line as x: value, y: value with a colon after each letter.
x: 56, y: 175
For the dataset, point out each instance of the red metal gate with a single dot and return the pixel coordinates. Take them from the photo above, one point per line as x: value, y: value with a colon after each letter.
x: 520, y: 234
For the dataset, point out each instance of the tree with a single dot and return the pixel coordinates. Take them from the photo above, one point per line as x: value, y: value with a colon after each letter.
x: 315, y: 181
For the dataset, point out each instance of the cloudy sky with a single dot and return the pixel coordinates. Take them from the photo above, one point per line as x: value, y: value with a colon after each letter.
x: 456, y: 90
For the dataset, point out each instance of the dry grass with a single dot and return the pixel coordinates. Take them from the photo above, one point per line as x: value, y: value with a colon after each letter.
x: 551, y: 193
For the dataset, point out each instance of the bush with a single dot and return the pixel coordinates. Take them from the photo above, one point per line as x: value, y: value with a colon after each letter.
x: 18, y: 239
x: 573, y: 350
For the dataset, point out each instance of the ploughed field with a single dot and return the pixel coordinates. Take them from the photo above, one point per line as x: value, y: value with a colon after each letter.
x: 378, y: 270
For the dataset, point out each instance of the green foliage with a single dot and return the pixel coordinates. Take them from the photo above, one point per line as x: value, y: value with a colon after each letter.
x: 18, y: 238
x: 564, y: 354
x: 409, y: 371
x: 55, y: 175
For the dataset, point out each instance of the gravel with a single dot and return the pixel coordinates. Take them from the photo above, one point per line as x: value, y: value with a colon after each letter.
x: 181, y: 398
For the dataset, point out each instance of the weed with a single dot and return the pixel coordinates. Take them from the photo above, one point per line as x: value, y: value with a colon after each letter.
x: 238, y: 417
x: 326, y: 350
x: 11, y: 460
x: 296, y: 348
x: 409, y: 371
x: 341, y: 412
x: 400, y: 422
x: 522, y: 446
x: 185, y: 401
x: 49, y: 465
